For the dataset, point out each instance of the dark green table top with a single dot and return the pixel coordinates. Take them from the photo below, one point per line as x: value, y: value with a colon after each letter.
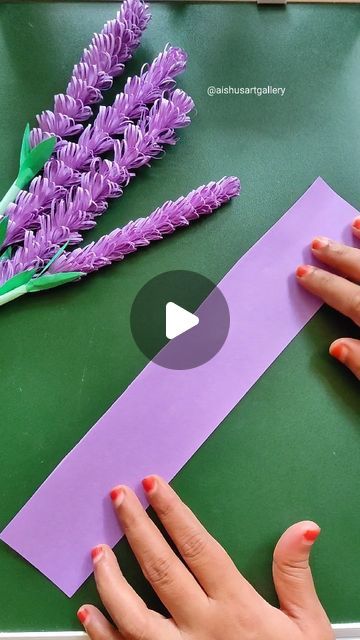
x: 290, y: 449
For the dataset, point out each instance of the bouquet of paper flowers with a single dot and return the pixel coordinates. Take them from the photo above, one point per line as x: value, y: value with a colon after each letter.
x: 43, y: 216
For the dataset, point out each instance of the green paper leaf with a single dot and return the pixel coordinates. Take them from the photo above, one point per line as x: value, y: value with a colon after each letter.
x: 55, y: 257
x: 7, y: 254
x: 17, y: 281
x: 25, y: 145
x: 9, y: 197
x: 35, y: 161
x: 3, y: 229
x: 52, y: 280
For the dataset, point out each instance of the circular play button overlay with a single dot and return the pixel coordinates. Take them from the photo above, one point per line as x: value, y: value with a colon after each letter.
x: 180, y: 319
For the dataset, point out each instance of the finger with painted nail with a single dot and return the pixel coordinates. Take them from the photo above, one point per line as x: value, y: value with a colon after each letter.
x: 347, y: 351
x: 130, y: 615
x: 340, y: 292
x: 96, y: 625
x: 345, y: 260
x: 356, y: 227
x: 337, y: 292
x: 206, y: 596
x: 160, y: 565
x: 200, y: 551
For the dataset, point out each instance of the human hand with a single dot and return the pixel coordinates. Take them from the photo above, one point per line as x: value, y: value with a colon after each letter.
x: 208, y: 599
x: 338, y: 291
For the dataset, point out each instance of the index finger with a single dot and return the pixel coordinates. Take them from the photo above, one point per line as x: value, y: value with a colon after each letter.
x: 205, y: 557
x: 168, y: 576
x: 339, y: 293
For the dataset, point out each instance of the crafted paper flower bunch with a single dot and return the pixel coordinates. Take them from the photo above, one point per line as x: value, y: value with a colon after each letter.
x: 72, y: 161
x: 77, y: 181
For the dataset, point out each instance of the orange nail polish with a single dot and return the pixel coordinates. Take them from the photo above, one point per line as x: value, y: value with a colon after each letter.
x: 319, y: 243
x: 356, y: 223
x: 96, y: 552
x: 148, y: 484
x: 117, y: 495
x: 339, y: 351
x: 311, y: 534
x: 82, y: 614
x: 303, y: 270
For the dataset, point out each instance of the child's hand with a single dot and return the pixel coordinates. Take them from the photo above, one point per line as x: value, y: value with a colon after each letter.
x: 208, y: 599
x: 336, y: 290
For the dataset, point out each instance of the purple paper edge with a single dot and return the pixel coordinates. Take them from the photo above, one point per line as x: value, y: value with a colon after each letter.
x: 70, y: 592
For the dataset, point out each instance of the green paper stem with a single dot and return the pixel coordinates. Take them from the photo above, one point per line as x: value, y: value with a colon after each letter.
x: 9, y: 197
x: 18, y: 280
x: 13, y: 294
x: 31, y: 162
x: 29, y: 284
x: 52, y: 280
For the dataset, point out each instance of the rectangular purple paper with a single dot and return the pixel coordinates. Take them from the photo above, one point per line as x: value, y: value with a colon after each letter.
x: 166, y: 415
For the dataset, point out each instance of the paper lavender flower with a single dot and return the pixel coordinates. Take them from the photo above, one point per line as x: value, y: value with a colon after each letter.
x: 100, y: 63
x: 120, y: 242
x: 164, y: 220
x: 62, y: 172
x: 140, y: 144
x: 77, y: 183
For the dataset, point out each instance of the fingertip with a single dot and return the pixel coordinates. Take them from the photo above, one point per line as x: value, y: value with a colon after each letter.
x: 339, y: 350
x: 83, y: 615
x: 291, y: 570
x: 303, y: 270
x: 154, y: 481
x: 117, y: 495
x: 149, y: 483
x: 319, y: 243
x: 95, y: 624
x: 297, y: 535
x: 356, y: 227
x: 311, y: 533
x: 97, y: 553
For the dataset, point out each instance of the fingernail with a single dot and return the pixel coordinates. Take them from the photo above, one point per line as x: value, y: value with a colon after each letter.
x: 96, y: 553
x: 117, y: 496
x: 339, y: 351
x: 303, y: 270
x: 311, y: 534
x: 320, y: 243
x: 356, y: 223
x: 82, y: 615
x: 149, y: 484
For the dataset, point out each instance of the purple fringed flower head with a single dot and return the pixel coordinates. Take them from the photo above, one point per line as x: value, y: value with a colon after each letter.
x: 100, y: 63
x: 164, y: 220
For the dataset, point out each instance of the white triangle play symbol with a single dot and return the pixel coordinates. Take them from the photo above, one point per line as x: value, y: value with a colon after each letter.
x: 178, y: 320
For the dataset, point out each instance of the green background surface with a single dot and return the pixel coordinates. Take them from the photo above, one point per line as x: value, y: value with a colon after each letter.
x: 290, y: 449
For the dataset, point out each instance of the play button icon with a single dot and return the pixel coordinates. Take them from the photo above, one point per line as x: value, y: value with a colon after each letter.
x: 179, y: 319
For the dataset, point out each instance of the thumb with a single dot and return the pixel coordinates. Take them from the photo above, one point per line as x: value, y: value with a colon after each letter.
x: 292, y: 574
x: 347, y: 351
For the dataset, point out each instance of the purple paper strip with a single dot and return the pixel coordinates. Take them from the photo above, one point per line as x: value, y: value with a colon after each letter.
x: 166, y: 415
